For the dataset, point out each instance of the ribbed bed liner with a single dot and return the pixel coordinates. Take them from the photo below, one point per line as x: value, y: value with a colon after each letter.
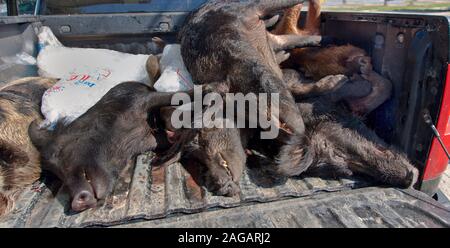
x: 372, y: 207
x: 146, y: 193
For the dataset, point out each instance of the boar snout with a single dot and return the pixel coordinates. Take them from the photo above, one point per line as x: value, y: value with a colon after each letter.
x: 83, y: 200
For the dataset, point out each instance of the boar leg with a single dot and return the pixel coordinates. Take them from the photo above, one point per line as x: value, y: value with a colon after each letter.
x: 291, y: 41
x: 289, y: 21
x: 324, y: 86
x: 381, y: 89
x: 351, y: 90
x: 291, y: 17
x: 163, y: 99
x: 271, y: 21
x: 312, y: 25
x: 282, y: 56
x: 289, y: 114
x: 153, y: 69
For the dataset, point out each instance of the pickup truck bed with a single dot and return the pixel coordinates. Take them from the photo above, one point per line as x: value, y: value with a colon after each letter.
x: 171, y: 196
x: 368, y: 207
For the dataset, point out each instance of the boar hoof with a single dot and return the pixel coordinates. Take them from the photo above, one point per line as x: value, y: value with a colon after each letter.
x: 365, y: 66
x: 331, y: 83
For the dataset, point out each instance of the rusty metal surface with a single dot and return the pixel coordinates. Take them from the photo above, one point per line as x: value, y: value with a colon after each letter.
x: 146, y: 193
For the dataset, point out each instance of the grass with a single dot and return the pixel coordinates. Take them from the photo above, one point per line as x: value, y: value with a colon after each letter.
x: 417, y: 7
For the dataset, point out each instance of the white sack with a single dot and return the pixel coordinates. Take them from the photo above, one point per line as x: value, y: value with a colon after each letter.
x: 86, y: 75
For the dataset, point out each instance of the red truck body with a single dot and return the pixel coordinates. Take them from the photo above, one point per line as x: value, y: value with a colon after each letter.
x: 437, y: 162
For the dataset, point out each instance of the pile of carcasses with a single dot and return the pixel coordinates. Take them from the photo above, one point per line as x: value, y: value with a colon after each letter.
x: 93, y: 110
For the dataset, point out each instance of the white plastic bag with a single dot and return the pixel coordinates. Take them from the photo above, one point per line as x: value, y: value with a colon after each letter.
x: 86, y: 75
x: 47, y: 38
x: 174, y: 75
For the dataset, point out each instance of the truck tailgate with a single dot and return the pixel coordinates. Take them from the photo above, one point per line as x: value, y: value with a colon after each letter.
x: 171, y: 196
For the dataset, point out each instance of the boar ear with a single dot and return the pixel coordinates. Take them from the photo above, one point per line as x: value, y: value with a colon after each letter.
x: 39, y: 136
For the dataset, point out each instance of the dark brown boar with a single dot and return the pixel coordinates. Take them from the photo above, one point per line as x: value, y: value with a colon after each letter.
x: 89, y: 153
x: 336, y: 142
x: 339, y: 144
x: 227, y: 42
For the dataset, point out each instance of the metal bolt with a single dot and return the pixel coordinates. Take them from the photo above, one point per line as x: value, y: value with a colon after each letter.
x: 65, y: 29
x: 164, y: 26
x: 379, y: 41
x: 401, y: 38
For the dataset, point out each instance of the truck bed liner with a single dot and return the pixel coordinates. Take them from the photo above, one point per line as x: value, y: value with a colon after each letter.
x: 169, y: 197
x: 367, y: 207
x: 146, y: 193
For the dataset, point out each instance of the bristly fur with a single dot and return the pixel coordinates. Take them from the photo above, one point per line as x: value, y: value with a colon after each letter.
x: 89, y: 153
x: 340, y: 144
x: 321, y: 62
x: 348, y: 60
x: 316, y: 62
x: 296, y: 155
x: 227, y: 41
x: 19, y: 160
